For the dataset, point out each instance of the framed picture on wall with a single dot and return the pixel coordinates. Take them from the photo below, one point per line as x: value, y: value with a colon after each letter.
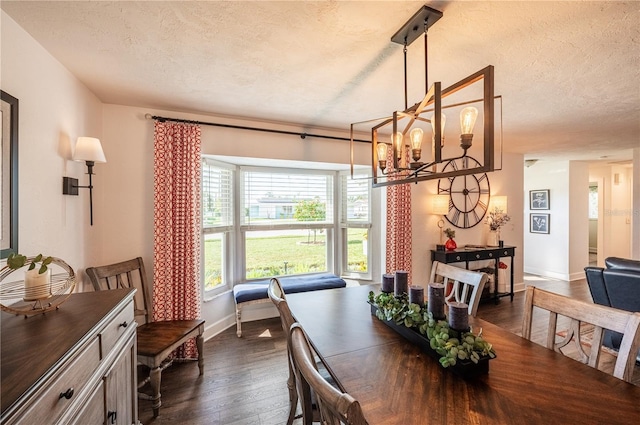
x: 539, y: 223
x: 539, y: 199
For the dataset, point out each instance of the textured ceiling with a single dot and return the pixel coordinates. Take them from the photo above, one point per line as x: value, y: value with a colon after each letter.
x: 569, y: 72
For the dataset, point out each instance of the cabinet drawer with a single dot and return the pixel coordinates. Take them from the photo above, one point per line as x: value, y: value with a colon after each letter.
x: 483, y: 255
x: 52, y: 403
x: 115, y: 329
x: 93, y: 411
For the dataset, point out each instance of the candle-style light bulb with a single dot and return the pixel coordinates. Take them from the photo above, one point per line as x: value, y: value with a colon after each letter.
x: 397, y: 140
x: 416, y: 143
x: 382, y: 155
x: 467, y: 121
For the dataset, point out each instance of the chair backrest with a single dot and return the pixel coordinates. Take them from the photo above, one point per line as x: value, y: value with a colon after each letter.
x: 126, y: 274
x: 601, y: 317
x: 277, y: 296
x: 335, y: 407
x: 466, y: 285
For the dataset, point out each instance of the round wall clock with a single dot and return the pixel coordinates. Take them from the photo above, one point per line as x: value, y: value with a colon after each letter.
x: 468, y: 195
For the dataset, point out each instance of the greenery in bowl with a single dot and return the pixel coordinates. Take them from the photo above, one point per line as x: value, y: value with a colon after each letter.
x: 16, y: 261
x: 451, y: 345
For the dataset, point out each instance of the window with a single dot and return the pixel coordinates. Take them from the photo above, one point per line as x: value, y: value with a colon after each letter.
x: 355, y: 222
x: 287, y: 223
x: 217, y: 223
x: 260, y: 222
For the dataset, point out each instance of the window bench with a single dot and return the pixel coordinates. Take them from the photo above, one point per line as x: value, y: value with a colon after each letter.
x: 255, y: 292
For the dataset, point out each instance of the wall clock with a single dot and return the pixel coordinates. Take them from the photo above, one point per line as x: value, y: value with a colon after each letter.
x: 468, y: 195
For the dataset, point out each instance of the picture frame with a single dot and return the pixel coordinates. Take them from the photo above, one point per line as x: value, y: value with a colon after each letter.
x: 9, y: 174
x: 539, y: 199
x: 539, y: 223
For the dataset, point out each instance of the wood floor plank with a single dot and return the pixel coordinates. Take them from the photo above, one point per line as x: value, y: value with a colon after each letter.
x: 245, y: 378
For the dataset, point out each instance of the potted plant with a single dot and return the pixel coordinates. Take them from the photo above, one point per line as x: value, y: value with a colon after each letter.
x: 37, y: 277
x: 450, y: 244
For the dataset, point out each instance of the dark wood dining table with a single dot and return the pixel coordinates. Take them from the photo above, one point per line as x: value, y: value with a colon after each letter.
x: 396, y: 383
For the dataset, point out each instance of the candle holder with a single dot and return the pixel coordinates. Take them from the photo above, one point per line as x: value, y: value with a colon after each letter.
x: 31, y: 297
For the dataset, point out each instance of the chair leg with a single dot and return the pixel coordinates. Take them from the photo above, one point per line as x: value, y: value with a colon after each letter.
x: 238, y: 321
x: 200, y: 345
x: 293, y: 396
x: 155, y: 376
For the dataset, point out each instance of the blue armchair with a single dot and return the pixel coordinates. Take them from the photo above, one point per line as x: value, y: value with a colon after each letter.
x: 618, y: 286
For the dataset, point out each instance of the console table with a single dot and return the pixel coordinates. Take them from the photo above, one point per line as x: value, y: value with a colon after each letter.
x: 468, y: 254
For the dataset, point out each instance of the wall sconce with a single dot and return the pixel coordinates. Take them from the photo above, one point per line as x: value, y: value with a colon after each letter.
x: 89, y: 150
x: 440, y: 206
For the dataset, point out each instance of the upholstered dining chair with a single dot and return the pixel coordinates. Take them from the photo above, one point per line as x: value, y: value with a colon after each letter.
x: 155, y: 340
x: 466, y: 285
x: 601, y: 317
x: 335, y: 407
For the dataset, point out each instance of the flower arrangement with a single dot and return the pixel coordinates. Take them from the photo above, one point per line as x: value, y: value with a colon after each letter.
x: 496, y: 219
x: 450, y: 233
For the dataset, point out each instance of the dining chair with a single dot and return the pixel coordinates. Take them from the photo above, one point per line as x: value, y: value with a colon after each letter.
x: 601, y: 317
x: 335, y: 407
x: 155, y: 340
x: 277, y: 296
x: 465, y: 285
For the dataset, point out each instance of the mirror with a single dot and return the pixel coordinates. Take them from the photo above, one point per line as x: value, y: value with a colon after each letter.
x: 9, y: 175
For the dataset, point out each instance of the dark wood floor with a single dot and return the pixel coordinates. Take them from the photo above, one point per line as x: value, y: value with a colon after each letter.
x: 245, y: 378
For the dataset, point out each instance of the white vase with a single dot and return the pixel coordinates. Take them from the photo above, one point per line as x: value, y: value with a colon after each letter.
x: 493, y: 237
x: 36, y: 285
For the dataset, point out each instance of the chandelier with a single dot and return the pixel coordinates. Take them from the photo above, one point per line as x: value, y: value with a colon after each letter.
x: 406, y: 133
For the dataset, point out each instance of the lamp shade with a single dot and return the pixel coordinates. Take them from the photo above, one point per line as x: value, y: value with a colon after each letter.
x: 499, y: 203
x: 88, y: 149
x: 440, y: 204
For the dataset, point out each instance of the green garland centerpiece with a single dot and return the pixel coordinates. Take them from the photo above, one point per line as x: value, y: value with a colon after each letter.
x: 450, y: 344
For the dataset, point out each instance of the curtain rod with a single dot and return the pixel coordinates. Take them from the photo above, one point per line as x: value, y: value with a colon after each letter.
x: 242, y: 127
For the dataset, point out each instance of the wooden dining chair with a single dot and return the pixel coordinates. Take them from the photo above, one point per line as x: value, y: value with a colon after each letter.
x: 601, y: 317
x: 277, y: 296
x: 155, y: 340
x: 335, y: 407
x: 465, y: 285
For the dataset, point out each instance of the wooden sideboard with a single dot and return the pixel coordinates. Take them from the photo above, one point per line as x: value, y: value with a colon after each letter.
x: 73, y: 365
x: 467, y: 255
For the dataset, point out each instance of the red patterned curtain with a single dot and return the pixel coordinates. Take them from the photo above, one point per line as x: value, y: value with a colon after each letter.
x: 176, y: 251
x: 398, y: 223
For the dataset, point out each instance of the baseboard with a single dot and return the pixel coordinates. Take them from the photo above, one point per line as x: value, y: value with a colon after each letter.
x: 547, y: 273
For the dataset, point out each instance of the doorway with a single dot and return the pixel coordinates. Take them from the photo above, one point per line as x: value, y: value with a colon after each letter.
x: 593, y: 223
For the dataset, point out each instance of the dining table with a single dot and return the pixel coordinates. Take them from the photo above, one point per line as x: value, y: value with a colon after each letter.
x: 395, y: 382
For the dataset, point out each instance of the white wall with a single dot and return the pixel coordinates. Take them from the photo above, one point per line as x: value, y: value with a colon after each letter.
x: 54, y: 109
x: 564, y: 252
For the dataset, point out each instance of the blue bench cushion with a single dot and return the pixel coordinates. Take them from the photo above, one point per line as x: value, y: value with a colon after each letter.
x: 256, y: 290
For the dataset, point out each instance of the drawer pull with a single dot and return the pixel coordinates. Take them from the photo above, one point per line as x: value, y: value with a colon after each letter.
x: 477, y: 255
x: 123, y: 324
x: 67, y: 394
x: 458, y: 257
x: 491, y: 254
x: 112, y: 416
